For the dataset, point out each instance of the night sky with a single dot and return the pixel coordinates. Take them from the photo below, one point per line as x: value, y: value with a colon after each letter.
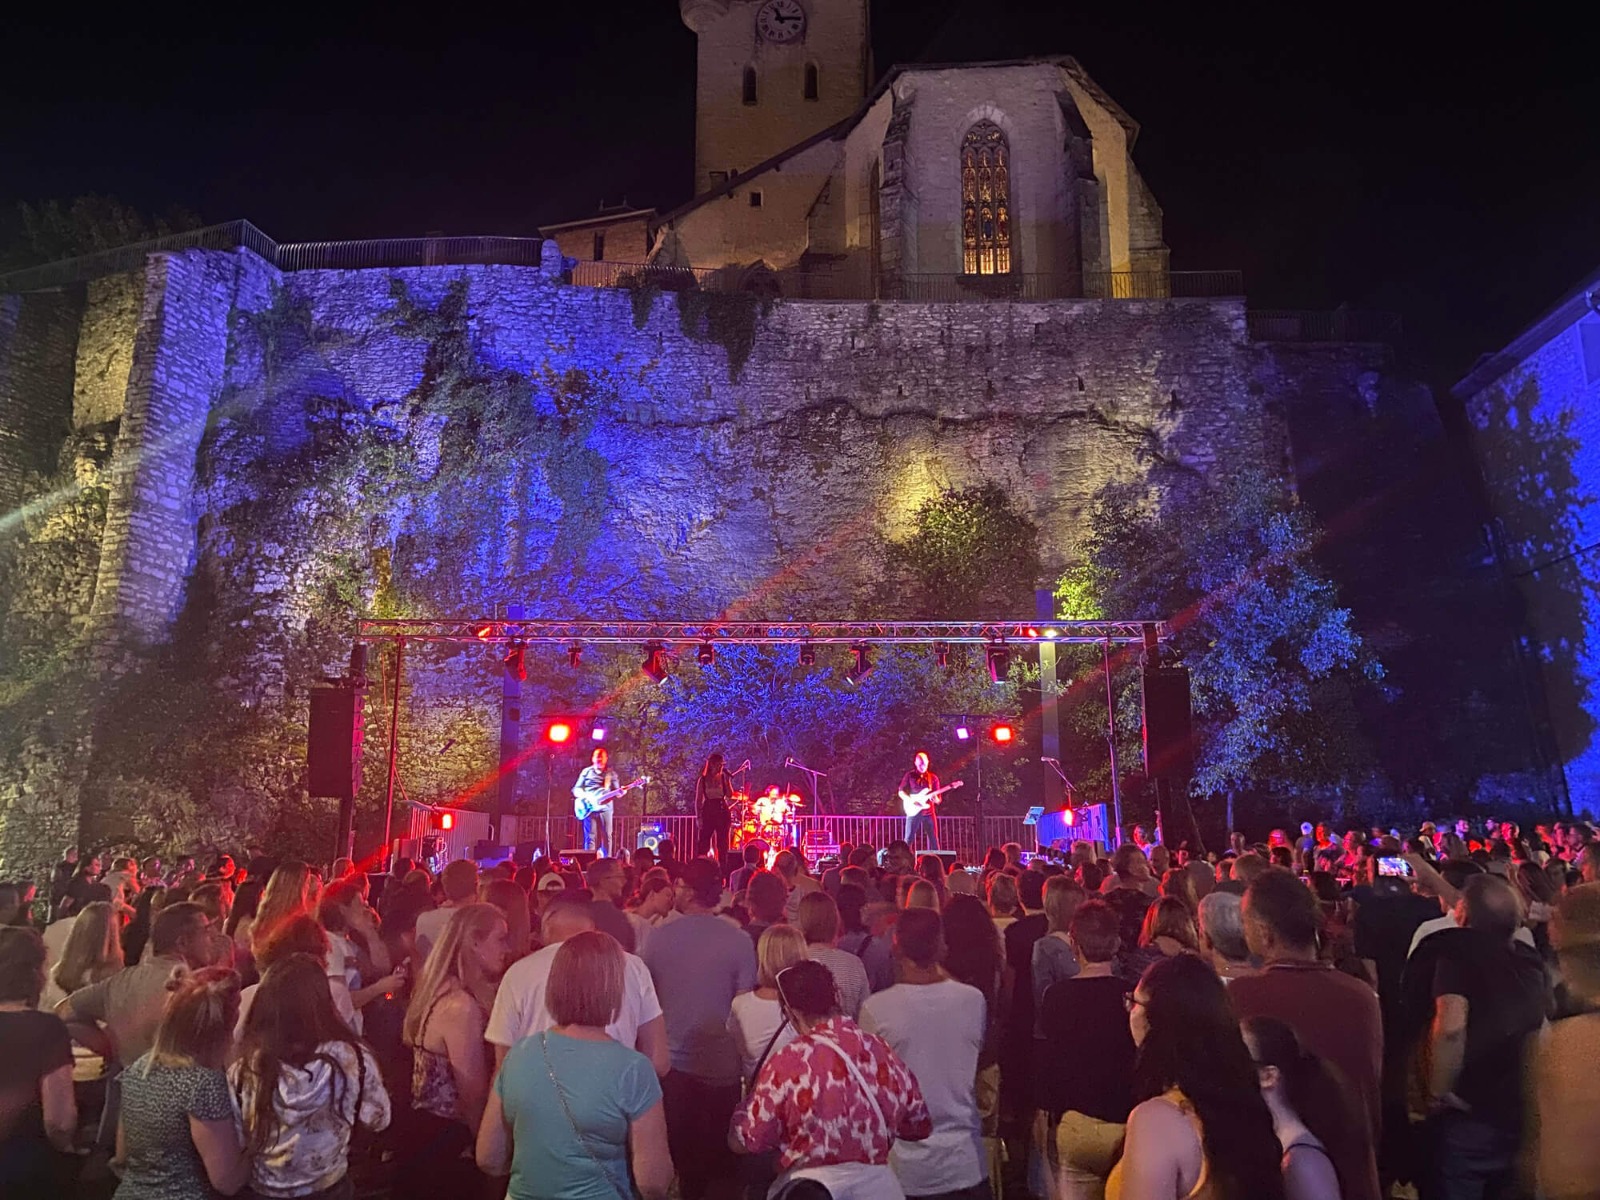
x: 1449, y: 169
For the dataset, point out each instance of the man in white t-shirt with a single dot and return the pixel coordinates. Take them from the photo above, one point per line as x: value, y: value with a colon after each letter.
x: 459, y: 880
x: 936, y: 1025
x: 519, y: 1004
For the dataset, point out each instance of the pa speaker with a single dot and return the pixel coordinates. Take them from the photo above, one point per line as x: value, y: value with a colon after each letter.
x: 650, y: 838
x: 1168, y: 729
x: 333, y: 747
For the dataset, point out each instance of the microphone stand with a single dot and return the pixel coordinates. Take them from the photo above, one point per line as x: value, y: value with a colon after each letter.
x: 1071, y: 789
x: 815, y: 775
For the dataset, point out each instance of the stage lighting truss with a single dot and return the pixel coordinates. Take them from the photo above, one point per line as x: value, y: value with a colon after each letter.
x: 664, y: 635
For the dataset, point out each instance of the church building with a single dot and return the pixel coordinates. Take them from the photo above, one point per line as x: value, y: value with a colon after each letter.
x: 991, y: 179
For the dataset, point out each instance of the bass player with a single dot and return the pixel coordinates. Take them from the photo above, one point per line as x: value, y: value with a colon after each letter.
x: 917, y: 798
x: 595, y: 781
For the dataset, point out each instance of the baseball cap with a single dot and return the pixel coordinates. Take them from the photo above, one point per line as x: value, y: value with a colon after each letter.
x: 552, y: 883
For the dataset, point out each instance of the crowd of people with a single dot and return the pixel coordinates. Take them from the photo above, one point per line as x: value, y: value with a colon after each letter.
x: 1310, y: 1017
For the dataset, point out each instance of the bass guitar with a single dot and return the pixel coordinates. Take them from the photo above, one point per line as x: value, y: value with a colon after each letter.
x: 927, y: 798
x: 586, y: 804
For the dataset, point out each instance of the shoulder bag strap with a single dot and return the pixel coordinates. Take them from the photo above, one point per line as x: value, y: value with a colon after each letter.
x: 561, y: 1095
x: 762, y: 1061
x: 855, y: 1073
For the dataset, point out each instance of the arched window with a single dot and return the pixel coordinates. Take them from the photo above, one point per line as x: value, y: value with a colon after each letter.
x: 985, y: 201
x: 810, y: 92
x: 749, y: 85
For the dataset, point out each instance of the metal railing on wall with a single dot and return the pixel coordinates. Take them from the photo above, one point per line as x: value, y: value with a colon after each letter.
x: 852, y: 283
x: 1340, y: 325
x: 286, y: 256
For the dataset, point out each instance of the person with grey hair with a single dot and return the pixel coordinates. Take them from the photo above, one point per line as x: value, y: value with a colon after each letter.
x: 1222, y: 935
x: 1489, y: 996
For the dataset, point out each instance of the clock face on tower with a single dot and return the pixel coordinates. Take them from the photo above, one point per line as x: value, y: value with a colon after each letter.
x: 781, y: 21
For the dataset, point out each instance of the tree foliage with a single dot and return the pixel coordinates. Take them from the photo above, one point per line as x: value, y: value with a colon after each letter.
x: 54, y: 229
x: 970, y: 553
x: 1274, y: 658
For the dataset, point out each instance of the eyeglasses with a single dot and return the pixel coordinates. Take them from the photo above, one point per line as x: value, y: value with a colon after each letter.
x: 1131, y: 1002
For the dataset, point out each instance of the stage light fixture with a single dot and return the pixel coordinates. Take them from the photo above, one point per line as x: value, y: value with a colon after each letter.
x: 862, y: 667
x: 559, y: 732
x: 516, y: 659
x: 574, y: 656
x: 442, y: 820
x: 997, y: 657
x: 1003, y: 733
x: 654, y: 664
x: 941, y: 653
x: 808, y: 655
x: 962, y: 732
x: 485, y: 632
x: 598, y: 733
x: 706, y: 655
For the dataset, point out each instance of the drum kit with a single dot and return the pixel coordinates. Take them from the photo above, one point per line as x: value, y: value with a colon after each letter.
x: 772, y: 817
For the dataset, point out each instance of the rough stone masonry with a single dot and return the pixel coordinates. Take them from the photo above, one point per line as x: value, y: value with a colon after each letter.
x: 773, y: 493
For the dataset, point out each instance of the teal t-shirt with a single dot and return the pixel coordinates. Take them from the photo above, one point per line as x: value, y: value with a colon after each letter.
x: 607, y: 1086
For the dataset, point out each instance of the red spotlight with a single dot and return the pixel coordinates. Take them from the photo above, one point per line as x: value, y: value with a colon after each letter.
x: 1003, y: 733
x: 559, y: 732
x: 485, y: 632
x: 442, y: 820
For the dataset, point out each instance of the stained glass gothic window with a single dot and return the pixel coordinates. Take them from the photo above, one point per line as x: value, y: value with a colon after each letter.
x: 985, y: 201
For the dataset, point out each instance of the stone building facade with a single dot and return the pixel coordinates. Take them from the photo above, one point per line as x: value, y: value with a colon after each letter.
x: 1534, y: 410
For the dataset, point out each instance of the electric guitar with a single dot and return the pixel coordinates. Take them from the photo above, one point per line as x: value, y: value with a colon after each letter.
x: 926, y: 798
x: 586, y: 804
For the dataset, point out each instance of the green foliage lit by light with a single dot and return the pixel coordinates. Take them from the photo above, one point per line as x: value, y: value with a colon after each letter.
x: 1258, y: 624
x: 970, y: 553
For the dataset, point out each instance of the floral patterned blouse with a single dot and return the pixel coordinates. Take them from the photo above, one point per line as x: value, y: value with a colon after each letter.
x: 808, y: 1105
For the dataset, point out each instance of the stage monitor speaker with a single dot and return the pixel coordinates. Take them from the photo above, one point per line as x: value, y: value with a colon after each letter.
x: 333, y: 746
x: 650, y: 837
x: 582, y: 859
x: 1168, y: 728
x: 947, y: 857
x: 485, y: 850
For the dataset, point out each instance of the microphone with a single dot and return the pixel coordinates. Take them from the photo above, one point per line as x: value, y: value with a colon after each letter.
x: 746, y: 766
x: 788, y: 762
x: 1057, y: 761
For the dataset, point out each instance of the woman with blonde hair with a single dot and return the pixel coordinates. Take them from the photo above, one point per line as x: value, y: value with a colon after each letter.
x: 756, y: 1020
x: 93, y: 952
x: 571, y: 1103
x: 450, y: 1063
x: 176, y: 1136
x: 292, y: 892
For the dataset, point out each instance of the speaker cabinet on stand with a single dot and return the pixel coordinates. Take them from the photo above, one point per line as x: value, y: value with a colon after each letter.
x: 1169, y: 751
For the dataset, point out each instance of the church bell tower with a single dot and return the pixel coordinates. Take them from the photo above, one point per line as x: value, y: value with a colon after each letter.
x: 772, y: 73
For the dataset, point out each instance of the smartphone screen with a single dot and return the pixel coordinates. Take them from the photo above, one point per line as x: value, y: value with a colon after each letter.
x: 1398, y: 867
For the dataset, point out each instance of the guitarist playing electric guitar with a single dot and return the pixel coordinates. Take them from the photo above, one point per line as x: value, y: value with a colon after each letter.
x: 594, y: 782
x: 919, y: 797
